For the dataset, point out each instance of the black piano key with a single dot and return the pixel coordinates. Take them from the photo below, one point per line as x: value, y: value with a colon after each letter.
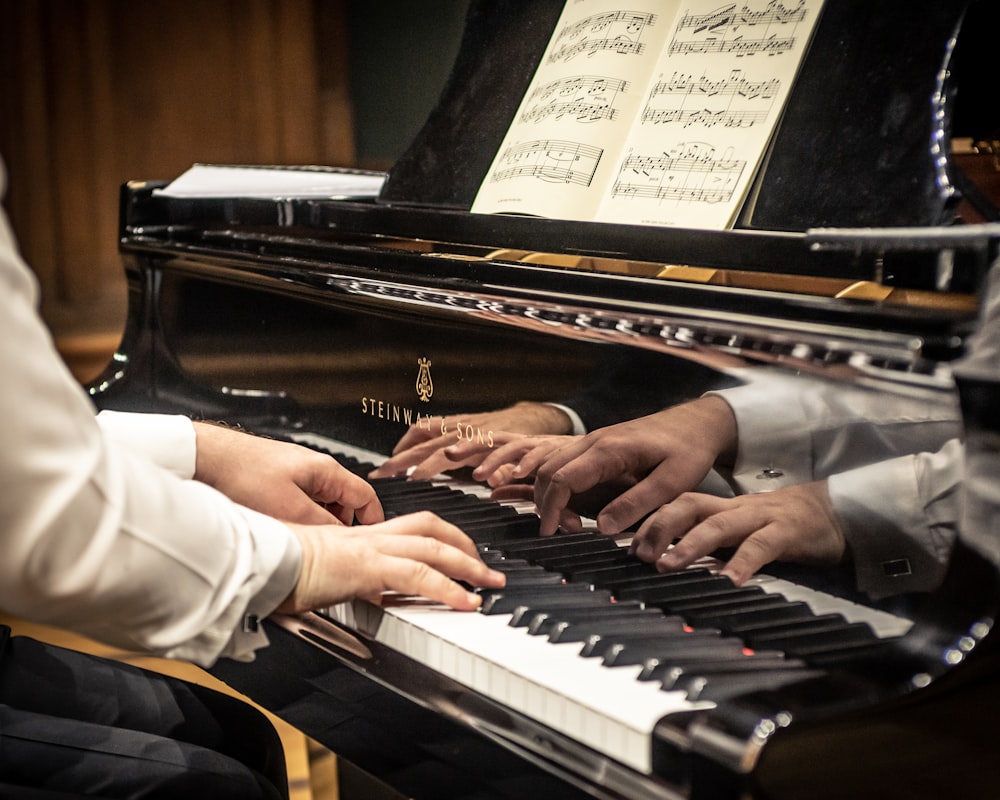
x: 504, y: 600
x: 606, y: 558
x: 630, y: 654
x: 808, y: 645
x: 753, y: 618
x: 635, y: 584
x: 699, y: 602
x: 560, y: 607
x: 597, y: 644
x: 545, y: 541
x: 551, y: 622
x: 605, y: 576
x: 672, y: 586
x: 671, y: 669
x: 595, y: 630
x: 522, y: 526
x: 726, y: 685
x: 521, y: 579
x: 777, y: 631
x: 563, y: 630
x: 554, y: 549
x: 720, y: 607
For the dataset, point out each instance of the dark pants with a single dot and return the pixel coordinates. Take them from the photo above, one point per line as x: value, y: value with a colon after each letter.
x: 73, y: 724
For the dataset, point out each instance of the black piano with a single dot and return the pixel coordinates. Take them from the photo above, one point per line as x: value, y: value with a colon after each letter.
x: 339, y: 322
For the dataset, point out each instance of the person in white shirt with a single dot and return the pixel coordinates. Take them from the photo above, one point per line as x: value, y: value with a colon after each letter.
x: 160, y: 535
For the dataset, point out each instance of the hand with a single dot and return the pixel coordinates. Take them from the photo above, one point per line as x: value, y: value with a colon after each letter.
x: 423, y: 446
x: 658, y: 456
x: 282, y: 479
x: 796, y: 524
x: 416, y: 554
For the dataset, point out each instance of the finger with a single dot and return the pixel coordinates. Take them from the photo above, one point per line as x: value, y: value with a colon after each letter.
x: 513, y: 492
x: 563, y: 475
x: 416, y: 434
x: 428, y: 525
x: 716, y: 528
x: 656, y: 489
x: 403, y: 460
x: 507, y: 455
x: 750, y: 557
x: 666, y: 524
x: 347, y: 496
x: 410, y: 577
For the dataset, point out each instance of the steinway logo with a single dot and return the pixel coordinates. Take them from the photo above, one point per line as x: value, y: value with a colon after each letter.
x: 425, y: 386
x: 394, y: 412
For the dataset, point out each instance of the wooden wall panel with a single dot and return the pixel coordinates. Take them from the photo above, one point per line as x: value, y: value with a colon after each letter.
x: 96, y: 92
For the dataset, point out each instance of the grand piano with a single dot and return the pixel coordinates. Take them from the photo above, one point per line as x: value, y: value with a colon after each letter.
x: 339, y: 322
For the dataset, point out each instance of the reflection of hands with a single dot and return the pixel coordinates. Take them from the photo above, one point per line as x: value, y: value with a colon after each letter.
x: 423, y: 445
x: 796, y: 523
x: 416, y: 554
x: 281, y: 479
x: 658, y: 456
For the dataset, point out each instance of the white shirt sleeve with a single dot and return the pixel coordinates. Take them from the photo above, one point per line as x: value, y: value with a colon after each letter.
x: 797, y: 429
x: 99, y: 539
x: 900, y: 518
x: 165, y: 439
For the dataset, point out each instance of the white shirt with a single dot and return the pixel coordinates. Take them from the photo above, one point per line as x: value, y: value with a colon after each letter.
x: 894, y: 464
x: 102, y: 529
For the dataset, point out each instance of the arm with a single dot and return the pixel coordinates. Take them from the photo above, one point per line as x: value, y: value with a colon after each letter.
x: 101, y: 540
x: 895, y: 520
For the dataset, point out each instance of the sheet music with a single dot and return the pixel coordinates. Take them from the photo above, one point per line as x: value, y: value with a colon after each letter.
x: 658, y: 114
x: 225, y: 180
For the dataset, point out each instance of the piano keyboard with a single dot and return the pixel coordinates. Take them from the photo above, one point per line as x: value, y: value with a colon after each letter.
x: 593, y: 643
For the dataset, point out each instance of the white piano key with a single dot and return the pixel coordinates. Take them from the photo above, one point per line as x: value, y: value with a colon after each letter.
x: 605, y: 708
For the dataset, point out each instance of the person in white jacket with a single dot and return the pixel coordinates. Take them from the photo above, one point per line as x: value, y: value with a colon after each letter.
x: 173, y: 538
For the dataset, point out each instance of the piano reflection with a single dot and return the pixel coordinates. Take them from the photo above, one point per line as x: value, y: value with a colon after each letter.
x: 340, y: 323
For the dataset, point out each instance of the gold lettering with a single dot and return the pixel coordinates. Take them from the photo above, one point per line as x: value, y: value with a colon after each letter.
x: 408, y: 416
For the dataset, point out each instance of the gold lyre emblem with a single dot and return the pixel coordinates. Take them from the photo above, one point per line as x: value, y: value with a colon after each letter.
x: 425, y: 386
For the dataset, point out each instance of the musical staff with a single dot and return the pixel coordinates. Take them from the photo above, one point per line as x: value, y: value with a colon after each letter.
x: 770, y: 30
x: 583, y: 98
x: 732, y: 102
x: 689, y: 173
x: 618, y: 32
x: 549, y: 160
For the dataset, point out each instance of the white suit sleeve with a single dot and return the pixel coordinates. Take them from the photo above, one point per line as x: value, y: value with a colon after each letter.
x: 165, y: 439
x: 793, y: 430
x: 900, y: 518
x: 99, y: 539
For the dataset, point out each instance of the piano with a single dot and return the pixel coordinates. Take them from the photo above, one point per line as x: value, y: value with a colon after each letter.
x: 339, y: 322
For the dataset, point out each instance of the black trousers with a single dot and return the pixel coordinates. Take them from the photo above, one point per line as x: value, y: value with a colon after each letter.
x: 73, y: 724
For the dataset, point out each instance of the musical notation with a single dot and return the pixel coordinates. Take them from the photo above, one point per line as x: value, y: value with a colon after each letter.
x: 732, y: 102
x: 549, y: 160
x: 618, y: 32
x: 690, y: 173
x: 722, y: 30
x: 584, y: 98
x: 594, y: 142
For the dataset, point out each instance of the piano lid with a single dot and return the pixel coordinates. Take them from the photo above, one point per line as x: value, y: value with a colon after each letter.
x: 861, y: 142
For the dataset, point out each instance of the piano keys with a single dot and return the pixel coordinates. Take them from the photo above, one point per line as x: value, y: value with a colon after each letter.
x: 341, y: 322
